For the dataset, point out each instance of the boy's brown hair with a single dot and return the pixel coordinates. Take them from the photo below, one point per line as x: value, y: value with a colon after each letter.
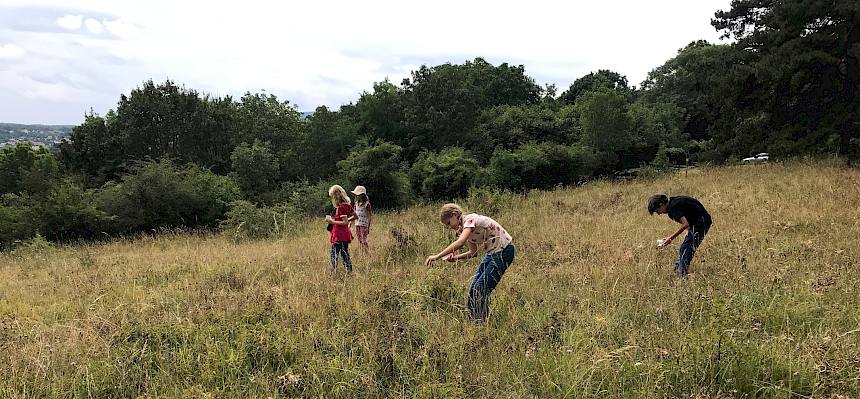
x: 656, y: 201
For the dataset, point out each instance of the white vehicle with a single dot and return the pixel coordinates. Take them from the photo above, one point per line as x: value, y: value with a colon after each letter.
x: 758, y: 158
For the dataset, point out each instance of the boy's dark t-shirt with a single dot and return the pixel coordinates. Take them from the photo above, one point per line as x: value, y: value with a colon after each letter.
x: 689, y: 208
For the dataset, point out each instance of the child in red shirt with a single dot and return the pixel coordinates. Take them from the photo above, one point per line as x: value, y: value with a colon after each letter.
x: 340, y: 235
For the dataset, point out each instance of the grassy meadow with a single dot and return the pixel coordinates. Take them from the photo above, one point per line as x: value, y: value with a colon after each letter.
x: 590, y: 308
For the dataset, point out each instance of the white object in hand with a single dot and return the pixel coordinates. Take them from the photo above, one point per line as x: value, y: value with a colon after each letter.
x: 659, y: 243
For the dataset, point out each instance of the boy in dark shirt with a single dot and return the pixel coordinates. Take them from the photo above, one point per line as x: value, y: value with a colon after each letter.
x: 692, y: 216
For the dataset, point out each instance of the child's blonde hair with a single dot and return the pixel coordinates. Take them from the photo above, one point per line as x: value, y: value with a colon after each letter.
x: 449, y: 210
x: 338, y: 195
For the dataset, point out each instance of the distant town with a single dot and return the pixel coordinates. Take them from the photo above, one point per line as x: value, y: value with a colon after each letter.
x: 38, y: 135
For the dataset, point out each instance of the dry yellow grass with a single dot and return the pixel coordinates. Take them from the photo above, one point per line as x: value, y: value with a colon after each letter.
x: 589, y: 308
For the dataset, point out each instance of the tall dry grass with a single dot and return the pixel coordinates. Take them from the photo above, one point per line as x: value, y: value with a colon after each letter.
x: 589, y: 308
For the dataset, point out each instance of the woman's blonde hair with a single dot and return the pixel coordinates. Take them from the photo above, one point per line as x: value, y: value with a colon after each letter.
x: 338, y: 195
x: 449, y: 210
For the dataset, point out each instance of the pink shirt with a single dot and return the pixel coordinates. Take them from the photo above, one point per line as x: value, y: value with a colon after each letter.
x: 341, y: 233
x: 486, y: 232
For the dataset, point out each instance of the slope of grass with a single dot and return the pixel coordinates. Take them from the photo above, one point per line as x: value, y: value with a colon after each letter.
x: 589, y: 308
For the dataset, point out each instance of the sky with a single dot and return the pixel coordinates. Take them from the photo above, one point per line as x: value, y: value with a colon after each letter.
x: 62, y: 59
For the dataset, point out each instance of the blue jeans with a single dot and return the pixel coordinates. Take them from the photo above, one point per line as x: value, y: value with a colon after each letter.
x: 695, y: 235
x: 486, y: 278
x: 340, y: 248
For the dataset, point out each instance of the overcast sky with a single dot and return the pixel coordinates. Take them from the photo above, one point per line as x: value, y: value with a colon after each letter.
x: 59, y: 59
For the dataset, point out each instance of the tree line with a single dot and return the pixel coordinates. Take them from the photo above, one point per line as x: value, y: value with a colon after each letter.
x: 168, y: 156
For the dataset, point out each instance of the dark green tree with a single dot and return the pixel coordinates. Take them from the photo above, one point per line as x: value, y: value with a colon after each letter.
x: 255, y: 168
x: 603, y: 79
x: 378, y: 168
x: 445, y: 175
x: 808, y: 52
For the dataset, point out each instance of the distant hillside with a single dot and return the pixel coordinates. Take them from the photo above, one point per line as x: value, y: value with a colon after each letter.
x: 10, y: 133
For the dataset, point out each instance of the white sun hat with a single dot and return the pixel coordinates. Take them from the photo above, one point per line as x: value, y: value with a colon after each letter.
x: 359, y: 190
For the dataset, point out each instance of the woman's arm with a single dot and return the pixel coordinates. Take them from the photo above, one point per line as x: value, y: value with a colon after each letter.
x: 464, y: 236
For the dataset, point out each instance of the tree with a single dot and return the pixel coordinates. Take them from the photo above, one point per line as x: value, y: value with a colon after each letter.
x: 442, y: 103
x: 255, y: 168
x: 698, y: 80
x: 605, y: 122
x: 808, y: 51
x: 93, y: 150
x: 445, y: 175
x: 326, y: 139
x: 603, y: 79
x: 26, y: 170
x: 377, y: 167
x: 381, y: 114
x: 510, y: 126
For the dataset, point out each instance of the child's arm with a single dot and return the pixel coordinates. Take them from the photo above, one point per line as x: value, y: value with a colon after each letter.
x: 684, y: 226
x: 343, y: 222
x: 464, y: 236
x: 473, y: 250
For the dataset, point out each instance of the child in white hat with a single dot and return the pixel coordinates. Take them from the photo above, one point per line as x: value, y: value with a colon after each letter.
x: 363, y: 216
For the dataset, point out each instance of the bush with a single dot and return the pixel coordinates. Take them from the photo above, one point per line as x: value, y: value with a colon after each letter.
x: 216, y: 191
x: 246, y: 221
x: 16, y: 220
x: 378, y: 168
x: 69, y: 211
x: 544, y: 166
x: 161, y: 195
x: 255, y: 168
x: 445, y: 175
x: 26, y: 170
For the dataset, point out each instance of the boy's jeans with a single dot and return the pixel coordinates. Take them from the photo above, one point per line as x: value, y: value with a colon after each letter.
x: 486, y: 278
x: 695, y: 235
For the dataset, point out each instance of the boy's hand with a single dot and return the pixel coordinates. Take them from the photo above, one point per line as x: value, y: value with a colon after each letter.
x: 666, y: 242
x: 451, y: 258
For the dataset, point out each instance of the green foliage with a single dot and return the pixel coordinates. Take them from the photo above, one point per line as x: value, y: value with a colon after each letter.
x: 445, y: 175
x: 601, y: 80
x: 605, y: 122
x: 245, y: 221
x: 160, y: 194
x: 700, y: 80
x: 808, y: 59
x: 443, y: 102
x: 26, y: 170
x: 327, y: 138
x: 16, y: 220
x: 378, y: 168
x: 69, y: 211
x: 510, y: 126
x: 255, y: 168
x: 37, y: 245
x: 543, y: 166
x: 93, y: 150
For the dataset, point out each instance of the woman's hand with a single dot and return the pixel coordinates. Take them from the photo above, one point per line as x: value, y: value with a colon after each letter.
x: 430, y: 259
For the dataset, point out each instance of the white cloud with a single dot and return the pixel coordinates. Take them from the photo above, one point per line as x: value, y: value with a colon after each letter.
x: 10, y: 51
x: 71, y: 22
x: 94, y: 26
x: 326, y: 53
